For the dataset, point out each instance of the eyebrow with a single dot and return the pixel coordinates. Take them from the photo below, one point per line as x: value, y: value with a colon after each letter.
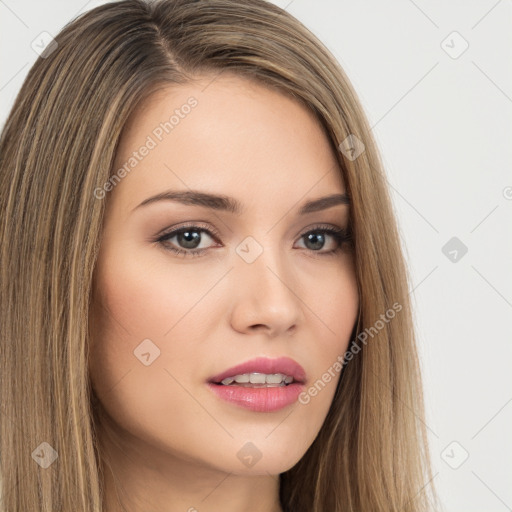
x: 231, y: 205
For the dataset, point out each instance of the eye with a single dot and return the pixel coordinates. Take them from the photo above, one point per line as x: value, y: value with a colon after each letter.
x: 190, y: 237
x: 315, y: 239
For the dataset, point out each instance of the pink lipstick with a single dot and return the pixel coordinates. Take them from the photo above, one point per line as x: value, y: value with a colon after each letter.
x: 261, y: 384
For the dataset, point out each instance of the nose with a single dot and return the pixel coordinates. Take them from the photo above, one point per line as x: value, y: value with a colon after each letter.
x: 265, y: 298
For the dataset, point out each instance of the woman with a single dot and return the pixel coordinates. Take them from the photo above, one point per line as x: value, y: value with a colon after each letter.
x: 204, y: 301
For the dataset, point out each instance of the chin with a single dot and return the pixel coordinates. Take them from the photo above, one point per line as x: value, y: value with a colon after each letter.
x: 251, y: 460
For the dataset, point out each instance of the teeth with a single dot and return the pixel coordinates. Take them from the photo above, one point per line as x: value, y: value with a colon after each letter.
x: 275, y: 378
x: 259, y: 378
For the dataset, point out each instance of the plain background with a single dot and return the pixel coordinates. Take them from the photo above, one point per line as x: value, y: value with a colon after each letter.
x: 442, y: 119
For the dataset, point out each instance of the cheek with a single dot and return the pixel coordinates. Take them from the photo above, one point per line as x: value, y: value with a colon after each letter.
x: 148, y: 309
x: 334, y: 310
x: 332, y: 302
x: 145, y: 340
x: 146, y: 296
x: 337, y: 305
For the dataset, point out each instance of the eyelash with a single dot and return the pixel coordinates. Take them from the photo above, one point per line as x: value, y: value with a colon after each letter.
x: 341, y: 237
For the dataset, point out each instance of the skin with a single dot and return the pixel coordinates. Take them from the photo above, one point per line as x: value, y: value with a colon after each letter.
x: 171, y: 443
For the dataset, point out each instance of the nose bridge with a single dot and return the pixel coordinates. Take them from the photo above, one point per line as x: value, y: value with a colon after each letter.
x: 267, y: 289
x: 262, y: 265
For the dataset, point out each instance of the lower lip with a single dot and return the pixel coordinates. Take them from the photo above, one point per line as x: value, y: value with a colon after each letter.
x: 259, y: 399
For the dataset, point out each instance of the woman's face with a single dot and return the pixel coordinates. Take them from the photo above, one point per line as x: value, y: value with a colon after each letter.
x: 265, y: 282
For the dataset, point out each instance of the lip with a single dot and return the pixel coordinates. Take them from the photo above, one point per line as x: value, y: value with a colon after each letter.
x: 284, y: 365
x: 264, y: 399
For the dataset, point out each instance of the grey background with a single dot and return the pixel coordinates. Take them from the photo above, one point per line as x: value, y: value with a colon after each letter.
x: 443, y: 127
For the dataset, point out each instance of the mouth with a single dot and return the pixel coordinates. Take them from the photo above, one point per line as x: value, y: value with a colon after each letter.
x: 257, y: 380
x: 261, y: 385
x: 262, y: 373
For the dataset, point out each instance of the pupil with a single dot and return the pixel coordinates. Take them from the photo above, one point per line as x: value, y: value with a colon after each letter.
x: 190, y: 239
x: 315, y: 239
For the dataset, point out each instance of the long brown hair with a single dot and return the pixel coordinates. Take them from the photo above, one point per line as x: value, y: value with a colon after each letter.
x: 58, y: 146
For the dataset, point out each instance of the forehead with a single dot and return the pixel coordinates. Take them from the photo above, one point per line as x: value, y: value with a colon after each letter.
x: 226, y: 134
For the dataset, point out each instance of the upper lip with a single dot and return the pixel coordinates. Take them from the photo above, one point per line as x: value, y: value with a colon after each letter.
x: 284, y: 365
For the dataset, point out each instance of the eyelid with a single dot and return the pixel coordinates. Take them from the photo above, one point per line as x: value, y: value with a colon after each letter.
x: 342, y: 236
x: 185, y: 225
x: 215, y: 232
